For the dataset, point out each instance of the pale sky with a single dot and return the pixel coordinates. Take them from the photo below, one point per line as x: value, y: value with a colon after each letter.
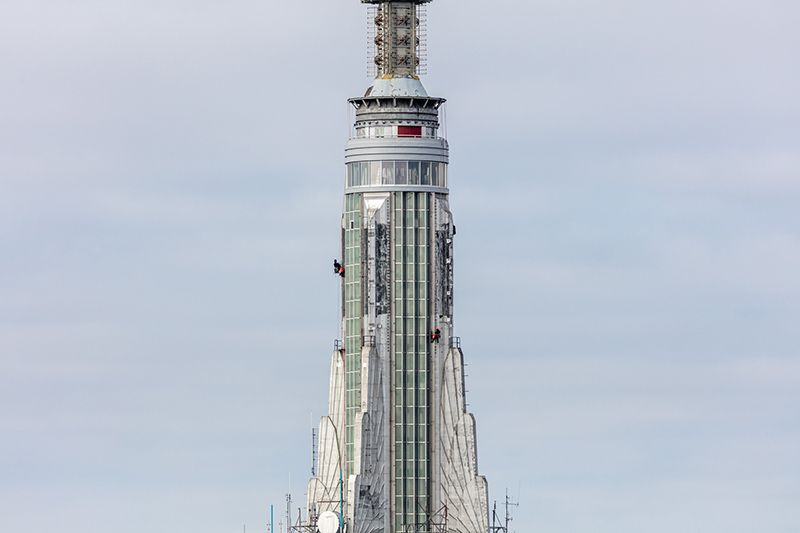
x: 625, y: 179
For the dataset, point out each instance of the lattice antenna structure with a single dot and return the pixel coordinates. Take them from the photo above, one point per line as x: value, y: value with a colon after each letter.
x: 422, y: 39
x: 396, y: 38
x: 372, y: 50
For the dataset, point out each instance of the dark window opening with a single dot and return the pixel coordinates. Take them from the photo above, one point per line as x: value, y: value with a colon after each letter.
x: 409, y: 131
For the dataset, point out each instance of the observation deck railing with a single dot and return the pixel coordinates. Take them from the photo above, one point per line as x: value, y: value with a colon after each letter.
x: 355, y: 137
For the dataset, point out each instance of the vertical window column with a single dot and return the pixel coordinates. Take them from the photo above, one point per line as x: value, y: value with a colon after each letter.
x: 411, y: 354
x: 352, y: 321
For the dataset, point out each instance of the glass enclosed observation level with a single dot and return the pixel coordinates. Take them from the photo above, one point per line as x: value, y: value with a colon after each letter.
x: 374, y: 173
x: 395, y: 145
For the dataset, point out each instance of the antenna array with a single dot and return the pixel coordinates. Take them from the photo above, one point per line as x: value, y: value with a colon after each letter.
x: 422, y: 39
x: 397, y: 39
x: 372, y: 68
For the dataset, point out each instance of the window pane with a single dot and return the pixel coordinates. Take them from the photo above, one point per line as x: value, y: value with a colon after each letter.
x: 413, y: 172
x: 400, y: 172
x: 375, y: 172
x: 425, y: 173
x: 388, y: 172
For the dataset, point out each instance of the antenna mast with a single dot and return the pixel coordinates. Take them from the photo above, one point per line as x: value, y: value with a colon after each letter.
x: 496, y: 527
x: 313, y: 452
x: 397, y: 37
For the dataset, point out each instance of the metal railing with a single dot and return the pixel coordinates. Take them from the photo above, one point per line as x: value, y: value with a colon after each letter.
x: 356, y: 137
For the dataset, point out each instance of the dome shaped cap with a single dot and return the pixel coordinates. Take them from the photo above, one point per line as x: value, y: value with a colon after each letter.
x: 397, y: 86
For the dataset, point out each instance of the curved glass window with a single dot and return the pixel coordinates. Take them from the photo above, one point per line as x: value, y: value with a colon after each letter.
x: 425, y: 172
x: 387, y: 172
x: 367, y: 173
x: 374, y: 172
x: 401, y: 172
x: 413, y: 172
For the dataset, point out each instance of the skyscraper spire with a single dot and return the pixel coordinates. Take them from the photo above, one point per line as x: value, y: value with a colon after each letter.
x: 397, y: 451
x: 397, y: 37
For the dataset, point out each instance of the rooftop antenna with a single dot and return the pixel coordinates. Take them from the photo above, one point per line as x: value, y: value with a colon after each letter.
x: 288, y: 511
x: 496, y: 526
x: 313, y: 450
x: 396, y: 38
x: 508, y: 504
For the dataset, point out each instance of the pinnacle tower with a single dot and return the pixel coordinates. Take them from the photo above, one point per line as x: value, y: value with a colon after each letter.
x: 397, y: 451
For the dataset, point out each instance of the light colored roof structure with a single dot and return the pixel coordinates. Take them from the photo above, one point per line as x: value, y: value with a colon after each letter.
x: 397, y: 86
